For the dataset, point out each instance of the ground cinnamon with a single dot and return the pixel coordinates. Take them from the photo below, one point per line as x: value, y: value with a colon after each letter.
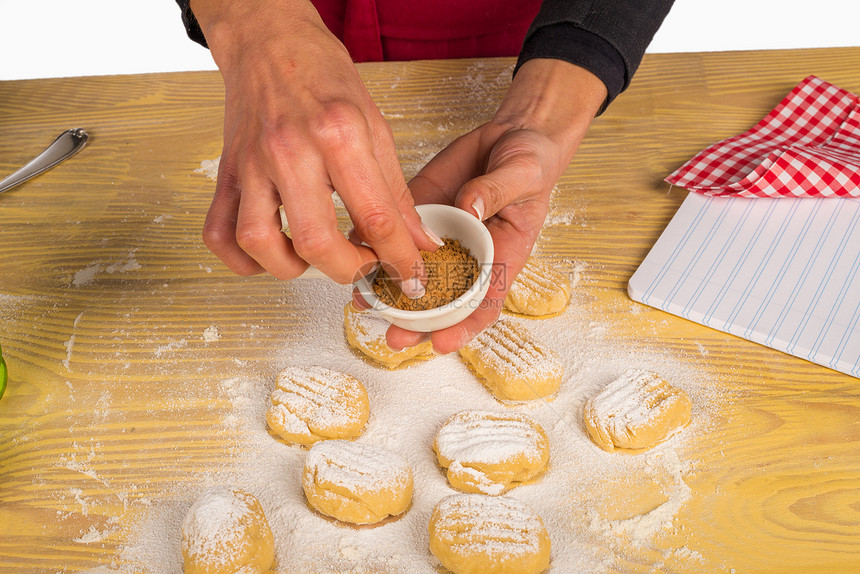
x: 451, y: 270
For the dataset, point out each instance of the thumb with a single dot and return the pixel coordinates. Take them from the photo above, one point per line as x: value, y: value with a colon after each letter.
x: 514, y: 173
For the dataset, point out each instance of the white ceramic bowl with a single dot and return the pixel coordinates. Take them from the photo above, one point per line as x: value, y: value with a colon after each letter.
x: 446, y: 221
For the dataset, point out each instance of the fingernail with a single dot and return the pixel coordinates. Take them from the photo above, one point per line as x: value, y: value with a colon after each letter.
x: 285, y: 225
x: 413, y: 288
x: 478, y: 206
x: 432, y: 235
x: 373, y: 269
x: 389, y: 347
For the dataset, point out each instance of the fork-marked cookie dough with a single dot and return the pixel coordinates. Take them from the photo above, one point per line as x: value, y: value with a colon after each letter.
x: 365, y: 331
x: 356, y: 483
x: 538, y: 290
x: 491, y: 452
x: 636, y: 411
x: 512, y: 364
x: 478, y: 534
x: 315, y: 403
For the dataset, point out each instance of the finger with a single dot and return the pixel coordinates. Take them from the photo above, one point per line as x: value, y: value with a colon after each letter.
x: 398, y: 339
x: 219, y: 228
x: 359, y: 301
x: 455, y: 338
x: 305, y: 191
x: 450, y: 339
x: 512, y: 248
x: 444, y: 175
x: 432, y: 239
x: 314, y: 228
x: 357, y: 176
x: 401, y: 338
x: 424, y: 237
x: 258, y: 229
x: 515, y: 171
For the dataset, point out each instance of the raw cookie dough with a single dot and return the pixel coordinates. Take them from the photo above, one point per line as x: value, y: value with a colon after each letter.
x: 365, y: 331
x: 477, y: 534
x: 491, y: 452
x: 511, y: 364
x: 356, y: 483
x: 635, y: 412
x: 314, y: 403
x: 225, y: 532
x: 538, y: 290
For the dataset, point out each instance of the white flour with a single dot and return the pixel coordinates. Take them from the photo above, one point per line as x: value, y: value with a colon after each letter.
x: 481, y: 444
x: 576, y: 497
x: 505, y: 352
x: 90, y: 536
x: 209, y: 168
x: 86, y: 275
x: 640, y: 529
x: 90, y: 273
x: 356, y: 468
x: 211, y: 334
x: 70, y: 344
x: 407, y: 408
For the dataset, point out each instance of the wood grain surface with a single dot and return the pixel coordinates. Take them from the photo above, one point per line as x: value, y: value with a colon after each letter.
x: 95, y: 424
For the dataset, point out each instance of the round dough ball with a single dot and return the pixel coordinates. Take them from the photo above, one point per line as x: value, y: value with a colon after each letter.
x: 538, y: 290
x: 315, y: 403
x: 491, y: 452
x: 635, y: 412
x: 365, y: 331
x: 225, y: 532
x: 356, y: 483
x: 478, y: 534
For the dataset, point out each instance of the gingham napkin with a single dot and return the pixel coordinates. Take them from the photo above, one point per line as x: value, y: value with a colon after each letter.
x: 808, y: 146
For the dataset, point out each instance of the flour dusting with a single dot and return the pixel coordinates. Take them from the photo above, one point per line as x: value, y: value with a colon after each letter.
x: 70, y: 344
x: 407, y: 408
x: 640, y: 529
x: 90, y: 273
x: 211, y: 334
x: 209, y: 168
x: 86, y: 275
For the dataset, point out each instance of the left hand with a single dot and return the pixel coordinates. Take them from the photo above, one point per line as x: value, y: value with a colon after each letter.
x: 504, y: 172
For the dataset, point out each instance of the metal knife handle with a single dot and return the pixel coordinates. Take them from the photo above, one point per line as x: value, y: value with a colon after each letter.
x: 65, y: 146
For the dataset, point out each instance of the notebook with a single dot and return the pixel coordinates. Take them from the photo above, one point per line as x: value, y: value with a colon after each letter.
x: 781, y: 272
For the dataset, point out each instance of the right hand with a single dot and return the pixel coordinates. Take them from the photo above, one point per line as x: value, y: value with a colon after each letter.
x: 298, y: 124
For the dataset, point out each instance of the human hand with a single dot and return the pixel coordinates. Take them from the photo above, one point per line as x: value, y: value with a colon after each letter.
x: 298, y: 124
x: 504, y: 172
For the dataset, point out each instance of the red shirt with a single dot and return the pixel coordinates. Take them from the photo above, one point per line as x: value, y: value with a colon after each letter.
x: 377, y: 30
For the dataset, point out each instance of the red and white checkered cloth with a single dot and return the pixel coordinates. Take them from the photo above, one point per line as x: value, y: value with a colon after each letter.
x: 808, y: 146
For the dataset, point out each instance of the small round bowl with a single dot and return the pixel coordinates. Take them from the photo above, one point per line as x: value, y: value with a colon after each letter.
x: 454, y: 223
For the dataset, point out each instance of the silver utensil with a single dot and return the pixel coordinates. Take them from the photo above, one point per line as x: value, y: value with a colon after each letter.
x: 65, y: 146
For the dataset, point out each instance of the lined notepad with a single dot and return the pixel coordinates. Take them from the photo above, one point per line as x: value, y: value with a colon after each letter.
x: 781, y: 272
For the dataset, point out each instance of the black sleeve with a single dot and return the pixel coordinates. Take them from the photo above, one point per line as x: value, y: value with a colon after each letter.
x: 192, y: 28
x: 606, y: 37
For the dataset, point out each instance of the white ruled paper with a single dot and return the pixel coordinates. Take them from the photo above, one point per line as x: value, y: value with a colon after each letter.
x: 781, y: 272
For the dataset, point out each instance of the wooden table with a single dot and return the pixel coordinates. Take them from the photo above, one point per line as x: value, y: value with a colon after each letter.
x: 128, y: 343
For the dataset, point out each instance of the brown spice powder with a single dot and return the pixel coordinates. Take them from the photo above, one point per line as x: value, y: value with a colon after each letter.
x: 451, y: 271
